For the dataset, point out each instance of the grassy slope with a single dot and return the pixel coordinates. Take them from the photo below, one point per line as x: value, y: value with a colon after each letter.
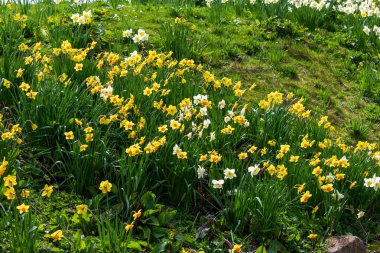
x: 313, y: 65
x: 276, y: 56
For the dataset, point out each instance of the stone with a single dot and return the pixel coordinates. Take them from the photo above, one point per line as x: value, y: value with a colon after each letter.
x: 345, y: 244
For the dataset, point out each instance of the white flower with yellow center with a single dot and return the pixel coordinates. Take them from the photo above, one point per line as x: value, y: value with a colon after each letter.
x: 217, y: 184
x: 254, y: 170
x: 201, y: 171
x: 229, y: 173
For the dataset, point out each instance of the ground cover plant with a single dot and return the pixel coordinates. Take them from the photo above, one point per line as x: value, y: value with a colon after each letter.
x: 188, y: 126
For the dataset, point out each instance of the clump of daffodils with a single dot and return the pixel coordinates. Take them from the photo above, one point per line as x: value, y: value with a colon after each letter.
x: 372, y: 182
x: 362, y: 8
x: 178, y: 151
x: 83, y: 19
x: 139, y: 37
x: 375, y: 30
x: 78, y: 2
x: 319, y: 5
x: 128, y: 33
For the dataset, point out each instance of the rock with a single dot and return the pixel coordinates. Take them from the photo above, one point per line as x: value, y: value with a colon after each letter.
x: 345, y: 244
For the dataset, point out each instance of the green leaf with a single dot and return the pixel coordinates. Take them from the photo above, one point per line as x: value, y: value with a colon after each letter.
x: 143, y: 243
x: 185, y: 238
x: 159, y: 247
x: 75, y: 218
x: 159, y: 232
x: 134, y: 245
x: 261, y: 249
x: 148, y: 200
x: 146, y: 232
x: 149, y: 212
x: 166, y: 217
x: 176, y: 247
x: 153, y: 221
x: 276, y: 246
x: 77, y: 236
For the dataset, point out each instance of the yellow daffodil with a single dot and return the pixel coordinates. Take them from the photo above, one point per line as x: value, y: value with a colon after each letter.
x: 82, y: 209
x: 105, y: 186
x: 57, y: 235
x: 47, y: 190
x: 10, y: 193
x: 78, y: 67
x: 305, y: 197
x: 69, y: 135
x: 243, y: 156
x: 327, y: 187
x: 129, y: 227
x: 137, y: 215
x: 23, y: 208
x: 10, y: 181
x: 25, y: 193
x: 237, y: 248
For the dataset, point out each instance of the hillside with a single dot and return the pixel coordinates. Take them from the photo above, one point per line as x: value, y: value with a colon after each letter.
x: 188, y: 126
